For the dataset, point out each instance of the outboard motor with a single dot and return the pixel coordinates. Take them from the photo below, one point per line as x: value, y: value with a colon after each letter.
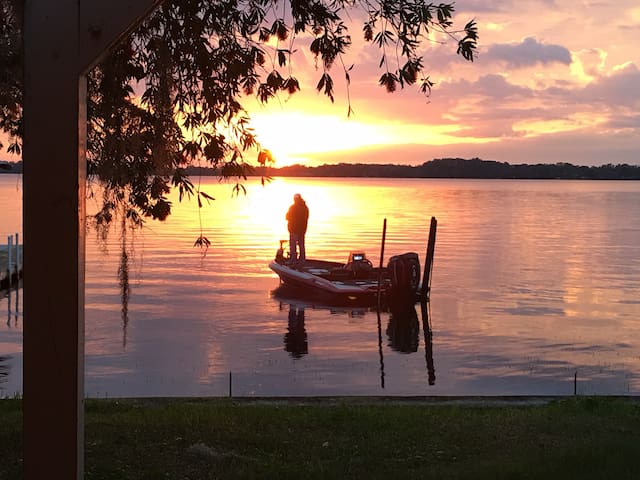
x: 404, y: 272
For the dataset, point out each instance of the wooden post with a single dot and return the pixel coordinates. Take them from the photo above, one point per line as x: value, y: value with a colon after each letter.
x: 428, y: 264
x: 17, y: 252
x: 54, y: 199
x: 9, y: 259
x: 9, y: 306
x: 62, y: 39
x: 16, y: 269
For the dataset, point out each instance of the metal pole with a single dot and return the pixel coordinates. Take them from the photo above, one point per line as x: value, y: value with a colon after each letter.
x: 428, y: 343
x: 381, y: 356
x: 384, y: 235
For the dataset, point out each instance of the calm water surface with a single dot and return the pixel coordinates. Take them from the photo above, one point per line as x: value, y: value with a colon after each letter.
x: 534, y: 281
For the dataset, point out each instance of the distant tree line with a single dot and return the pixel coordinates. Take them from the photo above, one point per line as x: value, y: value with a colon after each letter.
x: 453, y: 168
x: 436, y: 168
x: 10, y: 167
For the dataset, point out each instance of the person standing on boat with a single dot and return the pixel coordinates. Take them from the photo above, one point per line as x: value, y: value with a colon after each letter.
x: 297, y: 217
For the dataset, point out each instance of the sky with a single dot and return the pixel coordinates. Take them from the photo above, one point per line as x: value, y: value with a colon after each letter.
x: 552, y: 82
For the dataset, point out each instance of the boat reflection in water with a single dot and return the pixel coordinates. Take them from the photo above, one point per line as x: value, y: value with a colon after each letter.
x: 402, y: 330
x: 295, y: 340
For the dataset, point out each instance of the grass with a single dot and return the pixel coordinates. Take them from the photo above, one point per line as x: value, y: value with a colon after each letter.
x: 585, y: 438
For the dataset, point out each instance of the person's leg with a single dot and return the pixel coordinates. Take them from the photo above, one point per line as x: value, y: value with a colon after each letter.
x: 303, y: 253
x: 293, y: 250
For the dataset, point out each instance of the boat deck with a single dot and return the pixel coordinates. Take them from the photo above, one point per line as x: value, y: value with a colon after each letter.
x: 330, y: 281
x: 336, y: 272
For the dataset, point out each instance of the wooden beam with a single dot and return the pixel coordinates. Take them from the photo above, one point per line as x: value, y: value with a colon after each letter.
x: 58, y: 49
x: 53, y: 202
x: 104, y: 23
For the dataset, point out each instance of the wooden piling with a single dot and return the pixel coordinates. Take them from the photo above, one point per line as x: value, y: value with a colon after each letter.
x: 16, y: 268
x: 17, y: 254
x: 10, y: 260
x: 10, y: 266
x: 428, y: 263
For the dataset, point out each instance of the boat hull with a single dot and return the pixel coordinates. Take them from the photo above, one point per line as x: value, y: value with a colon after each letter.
x: 329, y: 282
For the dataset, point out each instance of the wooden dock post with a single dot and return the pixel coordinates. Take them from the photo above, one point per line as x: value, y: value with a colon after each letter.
x: 9, y: 260
x: 10, y: 269
x: 428, y: 264
x: 18, y: 258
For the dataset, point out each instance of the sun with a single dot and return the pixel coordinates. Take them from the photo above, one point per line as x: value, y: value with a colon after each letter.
x: 292, y: 137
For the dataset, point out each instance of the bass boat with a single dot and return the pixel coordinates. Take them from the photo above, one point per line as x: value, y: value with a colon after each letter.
x: 355, y: 282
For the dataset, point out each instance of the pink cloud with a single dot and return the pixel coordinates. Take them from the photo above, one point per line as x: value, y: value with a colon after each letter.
x: 527, y: 53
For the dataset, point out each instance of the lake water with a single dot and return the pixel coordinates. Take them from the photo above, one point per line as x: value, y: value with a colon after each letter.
x: 533, y: 282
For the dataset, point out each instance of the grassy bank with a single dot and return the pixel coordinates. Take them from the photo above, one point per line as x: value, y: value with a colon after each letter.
x: 585, y: 438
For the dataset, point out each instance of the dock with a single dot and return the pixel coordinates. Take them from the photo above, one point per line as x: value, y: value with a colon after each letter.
x: 10, y: 264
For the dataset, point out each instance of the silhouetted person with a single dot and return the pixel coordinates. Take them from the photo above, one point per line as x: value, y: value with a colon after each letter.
x: 295, y: 340
x: 297, y: 217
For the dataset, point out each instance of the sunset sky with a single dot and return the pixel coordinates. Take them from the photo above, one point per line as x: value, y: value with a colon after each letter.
x: 552, y: 82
